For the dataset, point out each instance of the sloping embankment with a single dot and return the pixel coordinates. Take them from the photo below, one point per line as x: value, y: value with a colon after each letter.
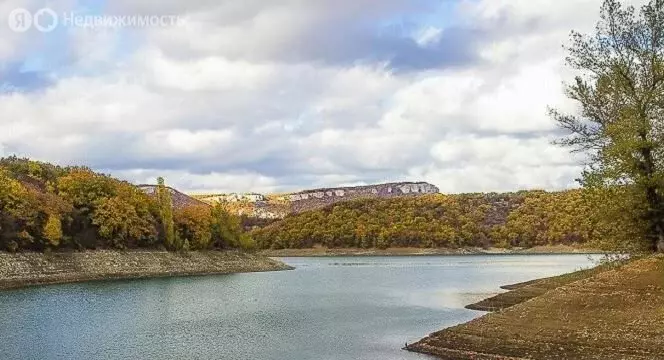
x: 531, y: 289
x: 615, y: 314
x: 26, y: 269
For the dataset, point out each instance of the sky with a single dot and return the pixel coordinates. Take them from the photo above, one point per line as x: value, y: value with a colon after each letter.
x: 283, y: 95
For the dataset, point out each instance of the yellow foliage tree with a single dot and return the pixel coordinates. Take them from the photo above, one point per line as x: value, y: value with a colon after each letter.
x: 53, y: 230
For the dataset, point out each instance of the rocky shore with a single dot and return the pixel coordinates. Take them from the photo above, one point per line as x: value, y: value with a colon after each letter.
x: 29, y: 269
x: 612, y: 313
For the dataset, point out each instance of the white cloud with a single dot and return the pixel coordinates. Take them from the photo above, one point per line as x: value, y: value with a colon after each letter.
x: 203, y: 183
x: 246, y: 98
x: 428, y: 35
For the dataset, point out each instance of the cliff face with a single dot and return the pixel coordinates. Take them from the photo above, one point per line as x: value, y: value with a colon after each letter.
x: 315, y: 199
x: 278, y: 206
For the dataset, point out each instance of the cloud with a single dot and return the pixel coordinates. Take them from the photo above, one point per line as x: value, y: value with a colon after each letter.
x: 286, y: 95
x: 324, y: 32
x: 205, y: 183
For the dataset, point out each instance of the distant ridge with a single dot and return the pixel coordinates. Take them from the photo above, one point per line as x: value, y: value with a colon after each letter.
x: 273, y: 206
x: 180, y: 200
x: 405, y: 187
x: 318, y: 198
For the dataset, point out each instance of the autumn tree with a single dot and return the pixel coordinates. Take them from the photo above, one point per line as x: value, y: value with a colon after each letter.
x: 53, y: 230
x: 125, y: 220
x: 620, y: 92
x: 194, y: 225
x: 43, y: 206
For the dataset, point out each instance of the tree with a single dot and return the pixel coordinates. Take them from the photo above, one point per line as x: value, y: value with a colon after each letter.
x: 620, y: 90
x: 123, y: 224
x: 53, y: 230
x: 166, y: 215
x: 84, y: 188
x: 194, y: 225
x: 226, y: 228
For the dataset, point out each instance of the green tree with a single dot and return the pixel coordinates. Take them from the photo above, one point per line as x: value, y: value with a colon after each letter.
x: 226, y: 229
x: 166, y: 215
x: 620, y: 90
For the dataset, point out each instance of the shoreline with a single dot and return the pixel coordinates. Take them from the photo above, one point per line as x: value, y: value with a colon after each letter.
x: 325, y: 252
x: 23, y: 270
x: 588, y: 314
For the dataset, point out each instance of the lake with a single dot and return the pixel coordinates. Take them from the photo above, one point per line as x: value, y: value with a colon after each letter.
x: 355, y: 308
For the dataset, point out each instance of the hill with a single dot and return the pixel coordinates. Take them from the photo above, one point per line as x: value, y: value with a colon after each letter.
x: 180, y: 200
x: 521, y: 219
x: 47, y: 207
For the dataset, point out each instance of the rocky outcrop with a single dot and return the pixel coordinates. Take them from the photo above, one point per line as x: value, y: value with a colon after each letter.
x: 278, y: 206
x: 232, y: 197
x: 26, y: 269
x: 315, y: 199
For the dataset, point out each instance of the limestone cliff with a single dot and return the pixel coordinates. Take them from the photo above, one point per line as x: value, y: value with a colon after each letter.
x: 278, y: 206
x: 314, y: 199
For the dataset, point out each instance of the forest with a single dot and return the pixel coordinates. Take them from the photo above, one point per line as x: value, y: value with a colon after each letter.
x: 44, y: 207
x: 521, y: 219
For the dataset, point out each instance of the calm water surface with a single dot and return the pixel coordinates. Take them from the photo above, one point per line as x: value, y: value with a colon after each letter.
x: 329, y: 308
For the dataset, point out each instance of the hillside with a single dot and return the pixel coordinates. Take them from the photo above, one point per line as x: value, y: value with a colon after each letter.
x: 45, y: 207
x: 522, y: 219
x: 277, y: 206
x: 180, y: 200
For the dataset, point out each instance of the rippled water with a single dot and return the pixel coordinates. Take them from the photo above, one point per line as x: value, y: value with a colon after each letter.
x: 328, y: 308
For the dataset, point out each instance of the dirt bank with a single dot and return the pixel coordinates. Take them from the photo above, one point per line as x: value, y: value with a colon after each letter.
x: 531, y: 289
x: 321, y: 251
x: 614, y: 314
x: 28, y: 269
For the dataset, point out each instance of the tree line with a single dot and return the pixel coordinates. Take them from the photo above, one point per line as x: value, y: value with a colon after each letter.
x: 46, y: 207
x: 522, y: 219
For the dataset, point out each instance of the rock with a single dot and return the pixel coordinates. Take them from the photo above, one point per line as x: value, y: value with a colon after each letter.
x: 276, y: 207
x: 310, y: 199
